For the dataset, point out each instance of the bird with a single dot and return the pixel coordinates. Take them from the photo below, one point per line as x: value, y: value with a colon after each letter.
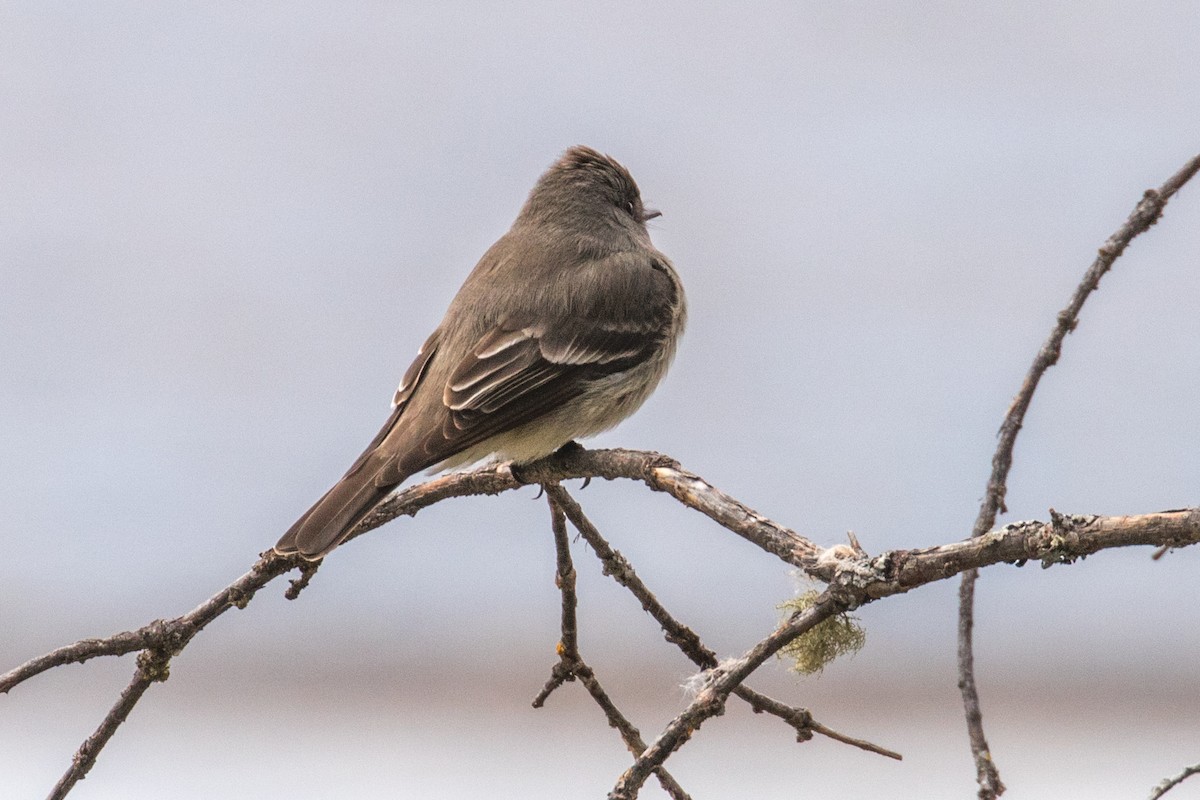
x: 563, y: 329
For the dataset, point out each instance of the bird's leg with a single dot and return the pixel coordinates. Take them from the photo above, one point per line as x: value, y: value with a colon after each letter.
x: 569, y: 449
x: 521, y: 475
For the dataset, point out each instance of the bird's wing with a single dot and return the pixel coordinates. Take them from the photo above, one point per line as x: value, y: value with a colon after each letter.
x: 416, y: 369
x: 524, y: 367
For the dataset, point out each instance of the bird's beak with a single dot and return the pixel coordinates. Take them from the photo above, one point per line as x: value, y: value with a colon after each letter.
x: 650, y: 214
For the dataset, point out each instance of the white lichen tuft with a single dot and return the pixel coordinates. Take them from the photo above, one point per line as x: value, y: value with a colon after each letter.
x: 697, y: 684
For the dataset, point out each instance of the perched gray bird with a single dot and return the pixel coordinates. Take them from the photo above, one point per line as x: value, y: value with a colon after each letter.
x: 562, y: 330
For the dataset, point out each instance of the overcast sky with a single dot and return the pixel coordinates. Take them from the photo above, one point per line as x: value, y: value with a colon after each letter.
x: 225, y: 228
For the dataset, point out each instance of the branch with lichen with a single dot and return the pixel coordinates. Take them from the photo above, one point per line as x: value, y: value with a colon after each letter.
x: 854, y: 579
x: 830, y: 640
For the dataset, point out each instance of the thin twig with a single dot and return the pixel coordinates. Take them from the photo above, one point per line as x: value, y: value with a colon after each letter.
x: 1147, y: 212
x: 861, y: 744
x: 629, y: 734
x: 152, y: 667
x: 297, y: 585
x: 801, y: 719
x: 571, y: 664
x: 564, y: 580
x: 1170, y: 783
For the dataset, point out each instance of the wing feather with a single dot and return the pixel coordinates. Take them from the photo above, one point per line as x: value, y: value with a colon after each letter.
x: 525, y: 365
x: 412, y: 375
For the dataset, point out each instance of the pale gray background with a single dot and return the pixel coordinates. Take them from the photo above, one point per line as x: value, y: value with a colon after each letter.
x: 226, y: 227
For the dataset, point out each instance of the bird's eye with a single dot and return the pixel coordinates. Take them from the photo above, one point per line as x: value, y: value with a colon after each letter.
x: 629, y: 207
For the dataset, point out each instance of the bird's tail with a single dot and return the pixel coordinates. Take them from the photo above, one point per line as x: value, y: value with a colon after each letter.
x: 325, y: 525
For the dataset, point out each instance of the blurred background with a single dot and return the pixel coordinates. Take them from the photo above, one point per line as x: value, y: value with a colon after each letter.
x: 225, y: 228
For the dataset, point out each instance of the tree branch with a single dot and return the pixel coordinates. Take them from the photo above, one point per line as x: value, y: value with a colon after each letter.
x: 856, y: 580
x: 152, y: 667
x: 1170, y: 783
x: 660, y: 473
x: 1145, y: 214
x: 169, y: 636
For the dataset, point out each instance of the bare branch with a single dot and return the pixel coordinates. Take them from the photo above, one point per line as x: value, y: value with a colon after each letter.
x: 1147, y: 212
x: 1063, y: 540
x: 805, y: 725
x: 659, y: 472
x: 152, y: 667
x: 656, y: 471
x: 170, y: 636
x: 854, y: 578
x: 564, y: 580
x: 1170, y: 783
x: 158, y: 642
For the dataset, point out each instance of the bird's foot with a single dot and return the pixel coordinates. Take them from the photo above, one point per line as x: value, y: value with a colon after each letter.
x: 522, y: 472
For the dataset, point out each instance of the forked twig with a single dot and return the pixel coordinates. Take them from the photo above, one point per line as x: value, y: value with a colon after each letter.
x: 571, y: 665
